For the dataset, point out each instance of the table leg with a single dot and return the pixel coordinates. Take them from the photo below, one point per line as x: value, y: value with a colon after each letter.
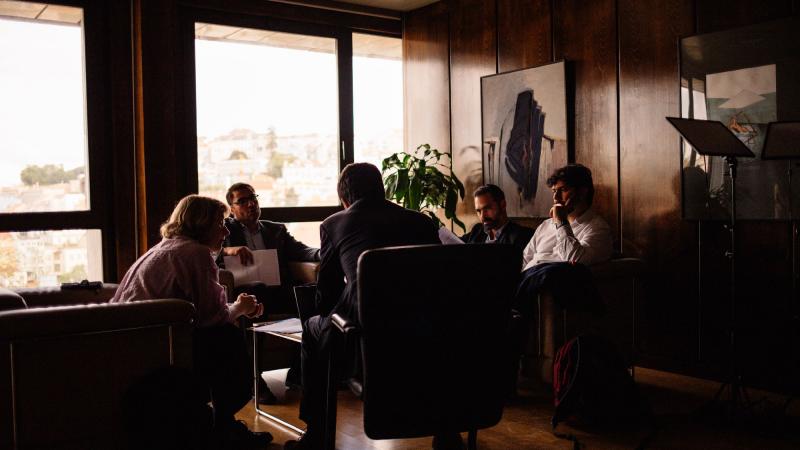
x: 256, y: 376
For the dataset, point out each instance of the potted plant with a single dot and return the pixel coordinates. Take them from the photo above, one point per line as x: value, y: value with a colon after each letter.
x: 417, y: 183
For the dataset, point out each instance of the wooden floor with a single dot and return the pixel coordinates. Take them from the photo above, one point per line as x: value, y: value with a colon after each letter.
x: 526, y: 424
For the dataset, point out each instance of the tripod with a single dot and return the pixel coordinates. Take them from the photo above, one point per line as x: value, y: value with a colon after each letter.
x: 731, y: 402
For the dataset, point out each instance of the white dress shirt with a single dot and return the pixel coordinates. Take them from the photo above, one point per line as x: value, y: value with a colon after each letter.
x: 586, y: 240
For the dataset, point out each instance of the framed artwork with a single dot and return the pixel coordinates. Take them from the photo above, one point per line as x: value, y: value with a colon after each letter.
x: 524, y: 135
x: 745, y: 78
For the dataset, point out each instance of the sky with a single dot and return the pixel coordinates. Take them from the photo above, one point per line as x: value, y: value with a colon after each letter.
x: 42, y: 107
x: 42, y: 114
x: 255, y: 86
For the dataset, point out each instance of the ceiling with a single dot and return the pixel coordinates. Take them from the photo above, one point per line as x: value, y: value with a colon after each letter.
x: 396, y: 5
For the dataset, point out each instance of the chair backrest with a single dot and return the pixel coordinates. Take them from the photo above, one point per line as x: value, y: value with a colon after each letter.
x: 433, y: 337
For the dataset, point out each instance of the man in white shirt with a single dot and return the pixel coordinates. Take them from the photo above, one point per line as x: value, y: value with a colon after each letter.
x: 574, y: 233
x: 556, y: 257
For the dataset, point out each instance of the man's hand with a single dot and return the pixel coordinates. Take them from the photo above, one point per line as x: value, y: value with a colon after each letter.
x: 560, y: 212
x: 244, y: 254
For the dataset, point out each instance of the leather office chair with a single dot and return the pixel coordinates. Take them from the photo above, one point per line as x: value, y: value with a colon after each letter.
x: 433, y: 339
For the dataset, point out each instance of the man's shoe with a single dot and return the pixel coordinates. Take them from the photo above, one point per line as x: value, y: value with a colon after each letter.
x: 241, y: 438
x: 448, y: 441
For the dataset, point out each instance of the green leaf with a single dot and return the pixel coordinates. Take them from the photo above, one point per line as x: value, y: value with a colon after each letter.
x: 401, y: 192
x: 414, y: 191
x: 390, y: 184
x: 450, y: 204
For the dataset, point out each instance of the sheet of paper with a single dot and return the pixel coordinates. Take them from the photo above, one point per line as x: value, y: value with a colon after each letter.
x: 287, y: 326
x: 264, y: 268
x: 447, y: 237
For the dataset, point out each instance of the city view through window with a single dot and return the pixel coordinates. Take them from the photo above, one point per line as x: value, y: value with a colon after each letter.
x: 43, y: 144
x: 267, y: 113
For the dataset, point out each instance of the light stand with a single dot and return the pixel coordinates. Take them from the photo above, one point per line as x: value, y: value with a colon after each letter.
x: 783, y: 142
x: 731, y: 399
x: 731, y: 402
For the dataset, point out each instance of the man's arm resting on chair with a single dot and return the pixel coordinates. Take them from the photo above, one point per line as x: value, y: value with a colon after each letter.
x: 343, y: 325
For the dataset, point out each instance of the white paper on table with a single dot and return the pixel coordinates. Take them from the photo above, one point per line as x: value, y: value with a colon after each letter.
x: 264, y: 268
x: 287, y: 326
x: 447, y: 237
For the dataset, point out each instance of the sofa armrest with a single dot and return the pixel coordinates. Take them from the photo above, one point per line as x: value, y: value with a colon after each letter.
x: 226, y: 280
x: 11, y: 300
x: 304, y: 272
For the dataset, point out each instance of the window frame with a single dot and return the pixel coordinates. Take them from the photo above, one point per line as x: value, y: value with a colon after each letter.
x: 336, y: 25
x: 100, y: 137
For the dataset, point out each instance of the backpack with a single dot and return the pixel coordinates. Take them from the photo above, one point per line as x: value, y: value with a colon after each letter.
x: 592, y: 386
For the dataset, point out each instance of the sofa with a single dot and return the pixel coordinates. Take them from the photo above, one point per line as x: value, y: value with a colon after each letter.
x: 618, y: 282
x: 68, y: 357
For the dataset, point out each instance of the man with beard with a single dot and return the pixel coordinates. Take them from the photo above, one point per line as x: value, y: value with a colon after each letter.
x: 490, y: 205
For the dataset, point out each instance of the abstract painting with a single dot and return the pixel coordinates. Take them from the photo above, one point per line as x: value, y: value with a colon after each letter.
x: 524, y: 135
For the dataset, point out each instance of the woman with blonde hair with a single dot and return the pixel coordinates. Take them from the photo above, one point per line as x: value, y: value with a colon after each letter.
x: 182, y: 266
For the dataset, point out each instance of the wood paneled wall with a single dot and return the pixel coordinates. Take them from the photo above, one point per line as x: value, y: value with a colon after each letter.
x: 624, y: 70
x: 473, y: 54
x: 427, y: 77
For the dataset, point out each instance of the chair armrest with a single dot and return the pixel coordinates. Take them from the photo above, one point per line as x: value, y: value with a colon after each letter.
x: 226, y: 280
x: 343, y: 325
x: 304, y: 272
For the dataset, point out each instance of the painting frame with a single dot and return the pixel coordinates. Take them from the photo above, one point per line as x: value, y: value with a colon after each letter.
x: 746, y: 78
x: 525, y: 134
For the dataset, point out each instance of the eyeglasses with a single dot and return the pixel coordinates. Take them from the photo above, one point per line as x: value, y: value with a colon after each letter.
x: 245, y: 200
x: 561, y: 190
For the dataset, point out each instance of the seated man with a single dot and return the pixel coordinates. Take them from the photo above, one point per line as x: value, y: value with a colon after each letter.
x: 490, y: 205
x: 557, y: 256
x: 562, y: 246
x: 248, y: 233
x: 574, y: 233
x: 369, y: 221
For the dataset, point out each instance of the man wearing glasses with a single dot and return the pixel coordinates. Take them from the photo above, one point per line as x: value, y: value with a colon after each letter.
x: 248, y: 233
x: 574, y: 233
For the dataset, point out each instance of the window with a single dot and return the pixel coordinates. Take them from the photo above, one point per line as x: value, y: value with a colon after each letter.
x: 267, y: 114
x: 284, y: 106
x: 377, y: 97
x: 51, y: 227
x: 43, y: 113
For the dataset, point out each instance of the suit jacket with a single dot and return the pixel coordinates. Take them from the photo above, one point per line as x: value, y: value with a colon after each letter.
x: 275, y: 235
x: 367, y: 224
x: 513, y: 234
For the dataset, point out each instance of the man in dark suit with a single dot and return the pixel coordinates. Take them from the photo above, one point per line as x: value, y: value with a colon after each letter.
x: 368, y: 221
x: 248, y: 233
x: 490, y: 205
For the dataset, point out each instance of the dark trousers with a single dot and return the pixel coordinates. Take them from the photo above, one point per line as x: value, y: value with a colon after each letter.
x: 221, y: 363
x: 315, y: 348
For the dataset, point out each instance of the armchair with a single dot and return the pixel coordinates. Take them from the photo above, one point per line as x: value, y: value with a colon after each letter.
x: 432, y: 329
x: 618, y: 282
x: 64, y: 369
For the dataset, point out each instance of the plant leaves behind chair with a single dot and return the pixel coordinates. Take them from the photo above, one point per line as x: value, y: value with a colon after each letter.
x: 418, y: 184
x: 434, y: 352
